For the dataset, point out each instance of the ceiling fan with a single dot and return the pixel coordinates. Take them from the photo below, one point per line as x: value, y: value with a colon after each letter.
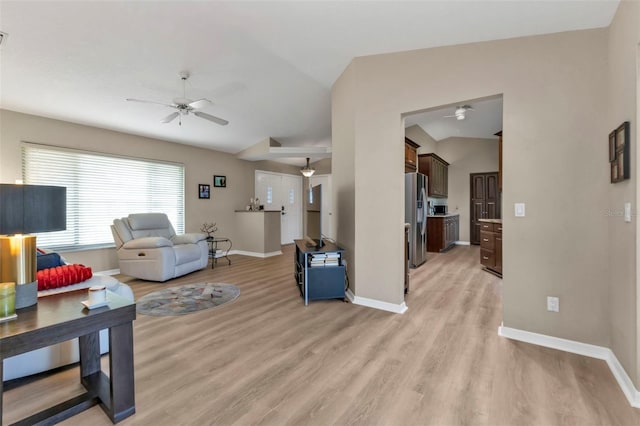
x: 461, y: 112
x: 185, y: 106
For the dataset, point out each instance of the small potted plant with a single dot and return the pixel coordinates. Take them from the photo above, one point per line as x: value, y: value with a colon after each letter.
x: 209, y: 229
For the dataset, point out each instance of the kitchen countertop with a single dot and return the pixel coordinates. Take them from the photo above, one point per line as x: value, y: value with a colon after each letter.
x: 444, y: 215
x: 490, y: 220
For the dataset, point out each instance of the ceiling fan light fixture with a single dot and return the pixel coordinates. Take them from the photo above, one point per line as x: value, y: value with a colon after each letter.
x: 460, y: 116
x: 307, y: 171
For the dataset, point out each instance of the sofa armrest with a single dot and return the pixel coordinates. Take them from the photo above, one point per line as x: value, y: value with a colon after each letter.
x: 191, y: 238
x: 147, y: 243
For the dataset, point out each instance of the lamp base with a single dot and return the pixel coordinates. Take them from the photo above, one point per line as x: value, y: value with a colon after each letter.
x: 26, y: 295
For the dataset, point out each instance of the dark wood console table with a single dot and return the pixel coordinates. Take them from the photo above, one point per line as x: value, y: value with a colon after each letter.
x: 61, y: 317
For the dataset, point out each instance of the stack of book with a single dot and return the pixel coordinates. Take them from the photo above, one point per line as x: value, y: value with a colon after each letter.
x: 324, y: 259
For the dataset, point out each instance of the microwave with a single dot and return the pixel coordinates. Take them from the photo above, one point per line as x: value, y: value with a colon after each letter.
x: 440, y: 210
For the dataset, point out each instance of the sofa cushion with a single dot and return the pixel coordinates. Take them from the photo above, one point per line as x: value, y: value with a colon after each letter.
x: 147, y: 243
x: 191, y: 238
x: 121, y: 231
x: 150, y: 225
x: 186, y: 253
x: 48, y: 260
x: 62, y: 276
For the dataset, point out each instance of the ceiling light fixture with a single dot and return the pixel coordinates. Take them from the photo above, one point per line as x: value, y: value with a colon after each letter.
x: 307, y: 171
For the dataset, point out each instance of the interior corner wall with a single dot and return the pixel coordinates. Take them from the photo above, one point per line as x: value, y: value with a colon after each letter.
x: 623, y: 245
x: 465, y: 156
x: 553, y: 156
x: 422, y: 138
x: 200, y: 166
x: 343, y: 167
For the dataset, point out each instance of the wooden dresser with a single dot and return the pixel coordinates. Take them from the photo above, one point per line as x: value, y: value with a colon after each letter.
x: 491, y: 245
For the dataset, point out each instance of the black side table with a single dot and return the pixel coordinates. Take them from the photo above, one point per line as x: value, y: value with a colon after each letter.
x: 213, y: 249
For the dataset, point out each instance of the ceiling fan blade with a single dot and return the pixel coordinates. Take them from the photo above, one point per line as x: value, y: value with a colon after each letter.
x: 210, y: 117
x: 170, y: 117
x: 448, y: 116
x: 200, y: 103
x: 149, y: 102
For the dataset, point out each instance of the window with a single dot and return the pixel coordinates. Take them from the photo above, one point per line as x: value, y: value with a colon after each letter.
x: 101, y: 188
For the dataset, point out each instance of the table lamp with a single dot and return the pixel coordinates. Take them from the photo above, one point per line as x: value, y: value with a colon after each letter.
x: 25, y: 209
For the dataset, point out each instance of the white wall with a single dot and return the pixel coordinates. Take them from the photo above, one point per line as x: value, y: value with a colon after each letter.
x: 553, y: 157
x: 622, y: 243
x: 200, y: 166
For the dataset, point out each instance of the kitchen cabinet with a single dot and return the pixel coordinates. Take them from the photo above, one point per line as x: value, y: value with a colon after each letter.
x: 442, y: 232
x: 410, y: 156
x: 485, y: 201
x: 491, y: 245
x: 437, y: 170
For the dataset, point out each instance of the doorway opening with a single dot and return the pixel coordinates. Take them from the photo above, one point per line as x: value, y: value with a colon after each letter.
x: 454, y: 143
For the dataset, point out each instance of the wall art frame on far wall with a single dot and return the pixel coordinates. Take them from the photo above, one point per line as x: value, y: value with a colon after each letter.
x: 219, y: 181
x: 204, y: 191
x: 619, y: 156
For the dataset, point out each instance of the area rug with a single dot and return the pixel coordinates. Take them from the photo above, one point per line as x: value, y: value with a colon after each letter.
x: 186, y: 299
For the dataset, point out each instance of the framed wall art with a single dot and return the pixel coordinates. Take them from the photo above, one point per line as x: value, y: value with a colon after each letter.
x: 204, y: 191
x: 619, y: 157
x: 219, y: 181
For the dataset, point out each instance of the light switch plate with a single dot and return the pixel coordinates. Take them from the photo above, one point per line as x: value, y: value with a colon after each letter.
x: 519, y: 208
x: 627, y: 212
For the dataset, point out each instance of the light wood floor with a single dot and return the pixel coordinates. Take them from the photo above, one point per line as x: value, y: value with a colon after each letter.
x: 268, y: 359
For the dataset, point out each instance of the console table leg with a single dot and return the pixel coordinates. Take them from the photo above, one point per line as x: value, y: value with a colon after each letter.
x: 121, y: 372
x: 89, y: 346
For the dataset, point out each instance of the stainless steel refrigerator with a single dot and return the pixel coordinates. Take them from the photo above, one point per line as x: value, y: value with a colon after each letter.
x: 415, y: 214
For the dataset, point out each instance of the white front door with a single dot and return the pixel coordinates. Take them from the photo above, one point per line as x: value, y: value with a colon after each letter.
x: 291, y: 223
x: 283, y: 193
x: 326, y: 203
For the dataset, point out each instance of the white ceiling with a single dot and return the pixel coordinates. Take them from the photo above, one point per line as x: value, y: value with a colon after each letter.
x: 483, y: 122
x: 268, y: 66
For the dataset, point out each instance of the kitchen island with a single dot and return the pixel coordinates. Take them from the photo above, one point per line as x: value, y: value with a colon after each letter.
x: 442, y: 231
x: 258, y: 233
x: 491, y: 245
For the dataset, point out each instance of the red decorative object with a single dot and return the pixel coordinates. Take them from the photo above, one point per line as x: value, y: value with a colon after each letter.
x: 62, y: 276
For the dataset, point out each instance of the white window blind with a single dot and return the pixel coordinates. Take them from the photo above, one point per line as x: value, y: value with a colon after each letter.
x: 101, y: 188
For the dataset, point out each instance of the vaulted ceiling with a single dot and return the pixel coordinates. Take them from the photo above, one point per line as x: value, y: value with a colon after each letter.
x: 267, y: 66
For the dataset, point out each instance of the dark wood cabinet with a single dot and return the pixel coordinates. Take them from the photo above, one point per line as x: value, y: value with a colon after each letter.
x: 410, y: 156
x: 491, y: 246
x: 442, y: 232
x: 485, y: 201
x: 437, y: 171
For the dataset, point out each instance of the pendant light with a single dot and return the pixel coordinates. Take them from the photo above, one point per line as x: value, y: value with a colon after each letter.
x: 307, y: 171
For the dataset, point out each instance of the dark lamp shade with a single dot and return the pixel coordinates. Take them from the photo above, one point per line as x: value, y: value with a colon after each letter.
x: 26, y: 209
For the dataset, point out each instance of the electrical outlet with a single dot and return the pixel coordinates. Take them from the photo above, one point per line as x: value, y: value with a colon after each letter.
x: 553, y: 304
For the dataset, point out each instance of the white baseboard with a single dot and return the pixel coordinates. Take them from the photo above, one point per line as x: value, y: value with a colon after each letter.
x: 255, y: 254
x: 585, y: 349
x: 463, y: 243
x: 377, y: 304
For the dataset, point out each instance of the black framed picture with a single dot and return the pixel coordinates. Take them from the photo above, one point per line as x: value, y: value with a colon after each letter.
x: 619, y: 157
x: 219, y: 181
x: 612, y: 146
x: 204, y: 191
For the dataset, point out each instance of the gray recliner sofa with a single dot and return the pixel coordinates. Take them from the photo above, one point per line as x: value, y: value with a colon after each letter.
x: 148, y: 248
